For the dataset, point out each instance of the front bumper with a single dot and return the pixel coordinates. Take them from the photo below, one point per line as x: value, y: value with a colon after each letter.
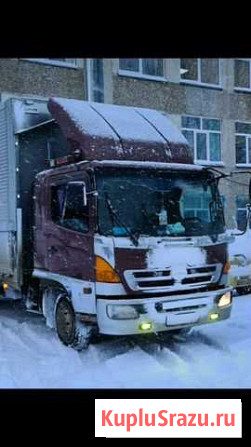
x: 164, y: 314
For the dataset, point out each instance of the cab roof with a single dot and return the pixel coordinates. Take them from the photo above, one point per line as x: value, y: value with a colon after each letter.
x: 112, y: 132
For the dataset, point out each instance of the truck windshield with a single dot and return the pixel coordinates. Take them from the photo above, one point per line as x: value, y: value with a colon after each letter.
x: 158, y: 203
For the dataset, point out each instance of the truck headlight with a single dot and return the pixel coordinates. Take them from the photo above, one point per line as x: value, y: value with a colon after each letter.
x: 225, y: 300
x: 122, y: 312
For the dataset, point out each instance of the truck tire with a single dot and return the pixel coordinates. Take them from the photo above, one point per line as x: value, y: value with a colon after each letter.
x: 70, y: 331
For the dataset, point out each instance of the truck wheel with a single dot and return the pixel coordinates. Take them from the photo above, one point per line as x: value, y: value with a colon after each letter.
x: 70, y: 331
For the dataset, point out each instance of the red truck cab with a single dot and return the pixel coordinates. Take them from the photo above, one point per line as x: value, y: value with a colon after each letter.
x: 129, y: 234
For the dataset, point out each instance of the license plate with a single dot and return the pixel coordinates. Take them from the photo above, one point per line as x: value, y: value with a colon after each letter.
x: 174, y: 319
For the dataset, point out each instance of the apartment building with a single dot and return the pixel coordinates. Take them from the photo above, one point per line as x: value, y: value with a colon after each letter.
x: 208, y: 99
x: 42, y: 77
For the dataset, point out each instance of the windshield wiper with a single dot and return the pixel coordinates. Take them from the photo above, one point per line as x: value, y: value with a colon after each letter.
x: 115, y: 218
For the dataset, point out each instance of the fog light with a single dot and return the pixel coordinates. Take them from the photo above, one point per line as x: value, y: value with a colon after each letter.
x: 120, y: 312
x: 224, y: 300
x: 146, y: 326
x: 213, y: 317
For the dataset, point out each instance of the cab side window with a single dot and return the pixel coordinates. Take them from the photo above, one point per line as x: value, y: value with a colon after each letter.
x: 68, y: 208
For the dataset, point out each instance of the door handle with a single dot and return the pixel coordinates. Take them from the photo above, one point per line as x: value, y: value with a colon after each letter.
x: 52, y: 250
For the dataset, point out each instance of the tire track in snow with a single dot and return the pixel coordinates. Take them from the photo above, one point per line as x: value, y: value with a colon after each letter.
x: 178, y: 351
x: 163, y: 351
x: 200, y: 337
x: 168, y: 353
x: 107, y: 348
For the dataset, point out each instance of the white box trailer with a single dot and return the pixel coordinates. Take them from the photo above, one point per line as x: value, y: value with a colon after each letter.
x: 19, y: 162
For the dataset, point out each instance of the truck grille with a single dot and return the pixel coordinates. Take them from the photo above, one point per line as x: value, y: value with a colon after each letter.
x: 168, y: 280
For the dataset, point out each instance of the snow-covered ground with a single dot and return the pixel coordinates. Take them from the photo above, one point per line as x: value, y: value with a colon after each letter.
x: 214, y: 356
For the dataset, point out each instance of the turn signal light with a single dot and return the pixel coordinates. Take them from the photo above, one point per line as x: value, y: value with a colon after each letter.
x: 104, y: 271
x: 227, y: 267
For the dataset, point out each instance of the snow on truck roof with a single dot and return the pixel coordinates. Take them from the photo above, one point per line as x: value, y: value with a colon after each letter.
x: 151, y: 165
x: 106, y: 132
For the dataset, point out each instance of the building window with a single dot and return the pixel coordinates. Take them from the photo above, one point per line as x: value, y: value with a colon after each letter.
x: 197, y: 205
x: 200, y: 71
x: 243, y: 143
x: 242, y: 212
x: 70, y: 63
x: 142, y: 68
x: 95, y: 80
x: 242, y: 74
x: 204, y: 137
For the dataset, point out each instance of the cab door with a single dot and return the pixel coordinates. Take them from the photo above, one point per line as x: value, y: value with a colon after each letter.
x: 69, y: 226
